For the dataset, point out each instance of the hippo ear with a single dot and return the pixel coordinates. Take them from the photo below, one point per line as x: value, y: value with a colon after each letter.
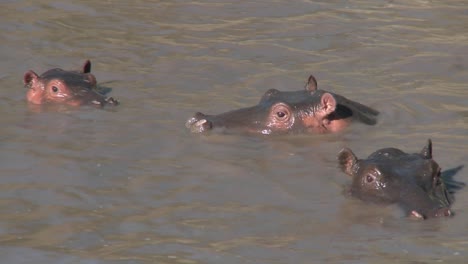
x: 328, y: 103
x: 30, y: 77
x: 426, y: 152
x: 346, y: 161
x: 311, y: 84
x: 86, y: 67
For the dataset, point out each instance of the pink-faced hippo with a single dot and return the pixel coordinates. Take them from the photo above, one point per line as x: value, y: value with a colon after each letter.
x: 65, y: 87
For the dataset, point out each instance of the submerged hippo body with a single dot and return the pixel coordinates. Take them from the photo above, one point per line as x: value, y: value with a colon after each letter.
x: 311, y: 111
x: 391, y: 176
x: 65, y: 87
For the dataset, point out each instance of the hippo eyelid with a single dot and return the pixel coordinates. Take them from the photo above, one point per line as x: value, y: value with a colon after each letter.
x: 281, y: 111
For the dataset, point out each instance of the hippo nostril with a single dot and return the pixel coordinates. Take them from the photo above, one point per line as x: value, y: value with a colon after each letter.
x: 416, y: 215
x: 197, y: 125
x: 201, y: 126
x: 200, y: 122
x: 444, y: 212
x: 190, y: 122
x: 112, y: 101
x: 195, y: 119
x: 448, y: 212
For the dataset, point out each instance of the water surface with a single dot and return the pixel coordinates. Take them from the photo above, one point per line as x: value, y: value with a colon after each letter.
x: 130, y: 184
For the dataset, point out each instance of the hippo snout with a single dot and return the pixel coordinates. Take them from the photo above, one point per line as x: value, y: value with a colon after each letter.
x: 198, y: 123
x: 440, y: 212
x: 111, y: 101
x: 97, y: 99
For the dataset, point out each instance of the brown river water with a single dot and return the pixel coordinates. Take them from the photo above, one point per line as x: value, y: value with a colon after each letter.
x: 130, y: 184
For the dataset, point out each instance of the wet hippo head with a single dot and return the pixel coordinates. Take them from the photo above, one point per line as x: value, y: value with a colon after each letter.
x: 66, y: 87
x: 413, y: 181
x: 311, y: 110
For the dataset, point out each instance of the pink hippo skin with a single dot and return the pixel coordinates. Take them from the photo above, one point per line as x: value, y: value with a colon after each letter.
x: 65, y: 87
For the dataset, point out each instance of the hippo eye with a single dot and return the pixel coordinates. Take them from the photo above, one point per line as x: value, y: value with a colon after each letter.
x: 54, y: 89
x: 369, y: 178
x: 281, y: 114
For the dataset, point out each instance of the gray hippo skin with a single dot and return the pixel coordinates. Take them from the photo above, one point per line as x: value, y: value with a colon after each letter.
x: 65, y: 87
x: 310, y: 110
x: 391, y: 176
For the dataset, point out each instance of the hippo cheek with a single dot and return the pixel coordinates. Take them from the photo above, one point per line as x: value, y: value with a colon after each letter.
x: 337, y: 125
x: 312, y: 124
x: 325, y: 125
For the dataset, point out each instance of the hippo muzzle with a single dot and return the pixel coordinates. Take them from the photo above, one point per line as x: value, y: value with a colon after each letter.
x: 199, y: 123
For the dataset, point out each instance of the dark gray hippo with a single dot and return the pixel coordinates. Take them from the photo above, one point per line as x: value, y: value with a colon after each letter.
x: 391, y: 176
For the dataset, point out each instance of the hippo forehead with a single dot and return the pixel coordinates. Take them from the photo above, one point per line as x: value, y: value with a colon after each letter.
x: 293, y: 98
x: 407, y: 168
x: 70, y: 78
x: 387, y: 154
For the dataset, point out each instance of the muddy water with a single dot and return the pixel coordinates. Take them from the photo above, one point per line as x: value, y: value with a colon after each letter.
x: 131, y: 185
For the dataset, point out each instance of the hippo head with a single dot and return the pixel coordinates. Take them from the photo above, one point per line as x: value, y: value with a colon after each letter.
x: 65, y: 87
x: 390, y: 176
x: 309, y: 110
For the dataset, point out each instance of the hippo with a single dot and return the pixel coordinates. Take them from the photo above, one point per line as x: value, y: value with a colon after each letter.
x: 391, y: 176
x: 65, y: 87
x: 310, y: 110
